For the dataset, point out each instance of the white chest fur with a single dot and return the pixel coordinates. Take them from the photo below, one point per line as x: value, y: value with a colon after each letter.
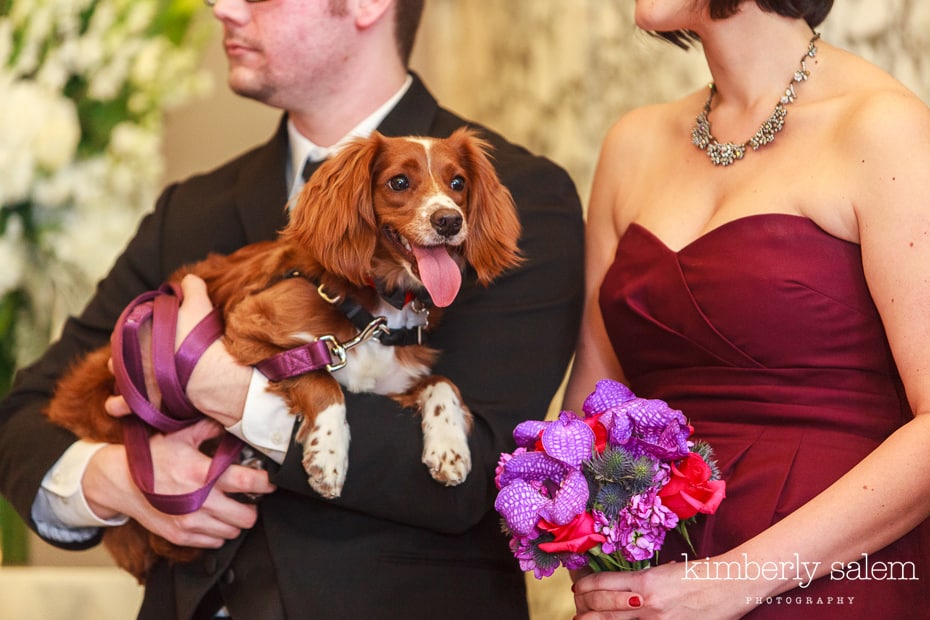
x: 373, y: 367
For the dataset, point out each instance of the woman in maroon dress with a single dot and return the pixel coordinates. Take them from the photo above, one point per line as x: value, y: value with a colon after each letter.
x: 776, y: 289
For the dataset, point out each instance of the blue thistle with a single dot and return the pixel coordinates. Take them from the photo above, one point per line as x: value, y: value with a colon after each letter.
x: 611, y: 499
x: 703, y: 449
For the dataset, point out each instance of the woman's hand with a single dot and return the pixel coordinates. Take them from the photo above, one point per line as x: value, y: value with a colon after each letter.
x: 605, y: 595
x: 674, y: 591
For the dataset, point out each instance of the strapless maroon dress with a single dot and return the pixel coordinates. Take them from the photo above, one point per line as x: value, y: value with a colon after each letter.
x: 764, y: 334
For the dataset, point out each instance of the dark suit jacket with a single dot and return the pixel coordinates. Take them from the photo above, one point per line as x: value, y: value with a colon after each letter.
x: 396, y: 544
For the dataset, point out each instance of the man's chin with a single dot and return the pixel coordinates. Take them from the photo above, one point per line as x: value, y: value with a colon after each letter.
x: 248, y: 88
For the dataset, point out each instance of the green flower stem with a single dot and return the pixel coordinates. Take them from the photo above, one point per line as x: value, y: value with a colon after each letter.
x: 600, y: 561
x: 682, y: 529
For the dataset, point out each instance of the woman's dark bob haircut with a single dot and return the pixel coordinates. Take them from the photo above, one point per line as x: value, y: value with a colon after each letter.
x: 811, y: 11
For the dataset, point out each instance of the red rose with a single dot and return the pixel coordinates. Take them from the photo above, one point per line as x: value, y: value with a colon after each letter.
x: 600, y: 433
x: 576, y: 536
x: 690, y: 489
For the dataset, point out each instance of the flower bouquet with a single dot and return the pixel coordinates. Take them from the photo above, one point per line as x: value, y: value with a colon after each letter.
x: 603, y: 490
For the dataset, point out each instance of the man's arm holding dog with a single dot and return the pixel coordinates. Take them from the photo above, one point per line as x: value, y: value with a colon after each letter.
x: 108, y: 492
x: 33, y: 449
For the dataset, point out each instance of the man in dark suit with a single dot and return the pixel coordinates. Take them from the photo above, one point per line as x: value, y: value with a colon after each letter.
x: 396, y: 543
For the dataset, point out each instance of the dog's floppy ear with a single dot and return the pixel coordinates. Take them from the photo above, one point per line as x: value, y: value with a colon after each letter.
x: 333, y: 216
x: 493, y: 225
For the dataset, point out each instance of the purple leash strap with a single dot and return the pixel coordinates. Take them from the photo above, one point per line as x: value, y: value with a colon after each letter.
x: 172, y: 372
x: 323, y: 353
x: 300, y: 360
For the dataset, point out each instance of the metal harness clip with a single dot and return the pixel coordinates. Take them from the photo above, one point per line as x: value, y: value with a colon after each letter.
x: 339, y: 350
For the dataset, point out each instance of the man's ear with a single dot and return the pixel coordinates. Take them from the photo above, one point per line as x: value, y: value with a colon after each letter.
x: 368, y: 12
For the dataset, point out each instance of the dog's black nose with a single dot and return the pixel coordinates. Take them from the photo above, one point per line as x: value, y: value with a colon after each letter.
x: 447, y: 222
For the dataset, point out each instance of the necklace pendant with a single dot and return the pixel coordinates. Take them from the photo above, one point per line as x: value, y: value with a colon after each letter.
x: 766, y: 133
x: 730, y: 152
x: 700, y: 135
x: 725, y: 154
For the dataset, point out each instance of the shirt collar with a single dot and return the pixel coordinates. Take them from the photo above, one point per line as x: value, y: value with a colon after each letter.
x: 302, y: 148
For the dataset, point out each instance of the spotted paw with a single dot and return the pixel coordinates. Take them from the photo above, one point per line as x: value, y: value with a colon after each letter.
x: 445, y: 435
x: 326, y: 451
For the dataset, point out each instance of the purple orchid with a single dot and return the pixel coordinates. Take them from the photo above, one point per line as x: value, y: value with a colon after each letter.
x: 546, y: 484
x: 639, y: 425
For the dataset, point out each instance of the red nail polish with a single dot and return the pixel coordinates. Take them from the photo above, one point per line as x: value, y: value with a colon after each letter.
x: 635, y: 602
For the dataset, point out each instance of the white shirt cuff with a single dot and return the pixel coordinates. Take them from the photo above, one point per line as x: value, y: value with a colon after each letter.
x: 267, y: 422
x: 60, y: 509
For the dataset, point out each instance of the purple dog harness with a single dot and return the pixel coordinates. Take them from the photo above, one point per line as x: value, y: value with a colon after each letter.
x: 172, y: 371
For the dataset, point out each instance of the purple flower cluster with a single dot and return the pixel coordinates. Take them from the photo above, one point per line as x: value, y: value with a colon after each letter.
x: 639, y: 530
x: 551, y: 487
x: 527, y: 552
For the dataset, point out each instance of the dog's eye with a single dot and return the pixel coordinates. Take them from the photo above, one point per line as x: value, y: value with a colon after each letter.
x: 399, y: 183
x: 457, y: 184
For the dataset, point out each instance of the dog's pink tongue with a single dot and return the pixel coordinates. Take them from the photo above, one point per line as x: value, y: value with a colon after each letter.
x: 439, y: 273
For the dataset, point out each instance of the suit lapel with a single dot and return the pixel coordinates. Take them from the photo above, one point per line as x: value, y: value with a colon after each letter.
x: 261, y: 188
x: 414, y: 113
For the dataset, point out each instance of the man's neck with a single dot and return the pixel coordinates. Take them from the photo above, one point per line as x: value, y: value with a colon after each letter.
x: 302, y: 147
x: 328, y: 124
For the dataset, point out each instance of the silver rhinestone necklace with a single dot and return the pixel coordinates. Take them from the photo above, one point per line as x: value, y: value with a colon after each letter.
x: 729, y: 152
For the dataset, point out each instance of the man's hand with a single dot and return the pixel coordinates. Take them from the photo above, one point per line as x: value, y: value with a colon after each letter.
x: 218, y: 388
x: 219, y: 385
x: 179, y: 467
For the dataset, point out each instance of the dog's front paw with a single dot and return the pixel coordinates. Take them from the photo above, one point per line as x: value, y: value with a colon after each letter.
x: 325, y: 442
x: 445, y: 434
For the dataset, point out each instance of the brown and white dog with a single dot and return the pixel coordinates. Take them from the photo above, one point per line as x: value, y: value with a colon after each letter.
x: 384, y: 218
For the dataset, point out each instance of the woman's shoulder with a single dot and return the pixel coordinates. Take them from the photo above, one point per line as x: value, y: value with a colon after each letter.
x: 638, y: 132
x: 660, y: 117
x: 877, y: 137
x: 875, y: 107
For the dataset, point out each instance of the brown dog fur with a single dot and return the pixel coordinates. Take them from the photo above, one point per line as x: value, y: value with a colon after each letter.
x: 336, y: 234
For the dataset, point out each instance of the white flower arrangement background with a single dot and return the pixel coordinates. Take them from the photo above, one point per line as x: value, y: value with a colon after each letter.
x: 84, y: 85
